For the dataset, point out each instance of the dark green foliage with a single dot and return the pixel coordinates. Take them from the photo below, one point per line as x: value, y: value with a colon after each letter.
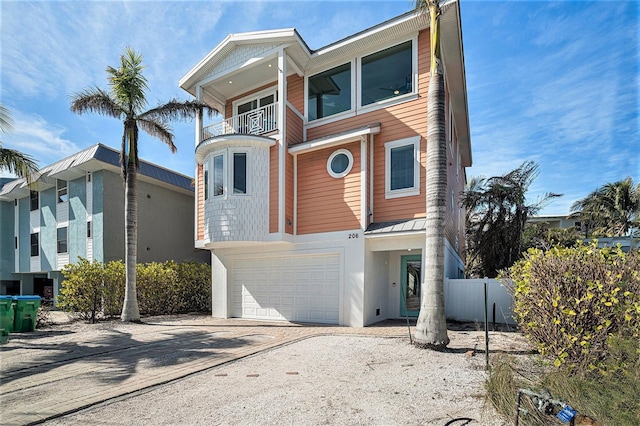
x: 496, y: 215
x: 94, y: 290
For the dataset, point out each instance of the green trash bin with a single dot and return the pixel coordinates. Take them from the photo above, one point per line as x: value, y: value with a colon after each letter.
x: 26, y: 308
x: 7, y: 316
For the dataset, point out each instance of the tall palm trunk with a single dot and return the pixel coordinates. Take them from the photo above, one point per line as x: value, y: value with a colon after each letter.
x: 130, y: 310
x: 431, y: 327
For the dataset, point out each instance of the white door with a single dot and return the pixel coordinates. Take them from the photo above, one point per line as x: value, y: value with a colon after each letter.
x: 293, y: 288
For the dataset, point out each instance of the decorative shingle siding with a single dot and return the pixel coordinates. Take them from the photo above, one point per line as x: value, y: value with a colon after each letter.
x: 242, y: 217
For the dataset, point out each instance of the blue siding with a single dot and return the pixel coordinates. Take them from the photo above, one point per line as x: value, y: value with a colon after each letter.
x: 77, y: 232
x: 48, y: 234
x: 24, y: 235
x: 98, y: 216
x: 7, y: 244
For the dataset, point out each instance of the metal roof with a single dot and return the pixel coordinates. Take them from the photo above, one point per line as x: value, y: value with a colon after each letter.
x: 89, y: 159
x: 398, y: 226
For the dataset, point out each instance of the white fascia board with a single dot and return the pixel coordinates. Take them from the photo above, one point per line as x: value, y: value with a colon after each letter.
x: 333, y: 140
x: 232, y: 40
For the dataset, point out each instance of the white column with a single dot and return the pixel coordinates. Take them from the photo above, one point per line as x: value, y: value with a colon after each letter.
x: 198, y: 117
x: 282, y: 146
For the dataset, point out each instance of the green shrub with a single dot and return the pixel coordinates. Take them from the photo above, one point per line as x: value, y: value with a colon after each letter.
x: 92, y: 290
x: 194, y: 286
x: 82, y: 289
x: 156, y: 286
x: 569, y: 301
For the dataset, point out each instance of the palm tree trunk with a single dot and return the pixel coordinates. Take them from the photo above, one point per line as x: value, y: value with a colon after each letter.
x: 130, y: 310
x: 431, y: 327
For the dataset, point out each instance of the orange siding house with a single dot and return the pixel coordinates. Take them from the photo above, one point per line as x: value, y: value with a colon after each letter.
x: 311, y: 184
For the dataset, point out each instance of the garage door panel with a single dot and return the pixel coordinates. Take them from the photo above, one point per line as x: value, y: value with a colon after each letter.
x: 291, y: 288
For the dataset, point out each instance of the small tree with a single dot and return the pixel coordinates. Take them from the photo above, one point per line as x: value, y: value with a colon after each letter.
x: 127, y: 102
x: 497, y: 212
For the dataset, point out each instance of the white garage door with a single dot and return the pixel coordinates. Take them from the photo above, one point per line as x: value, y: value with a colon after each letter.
x: 294, y: 288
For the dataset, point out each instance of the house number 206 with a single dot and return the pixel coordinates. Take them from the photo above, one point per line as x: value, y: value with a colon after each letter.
x: 354, y: 236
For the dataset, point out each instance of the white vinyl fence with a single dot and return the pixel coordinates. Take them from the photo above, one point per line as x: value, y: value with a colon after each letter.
x: 464, y: 300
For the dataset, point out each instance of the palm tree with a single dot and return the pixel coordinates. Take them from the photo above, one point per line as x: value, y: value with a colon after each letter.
x: 431, y: 326
x: 611, y: 210
x: 127, y: 101
x: 497, y: 212
x: 12, y: 160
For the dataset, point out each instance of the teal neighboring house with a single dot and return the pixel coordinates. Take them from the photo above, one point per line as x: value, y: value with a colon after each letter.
x: 76, y: 209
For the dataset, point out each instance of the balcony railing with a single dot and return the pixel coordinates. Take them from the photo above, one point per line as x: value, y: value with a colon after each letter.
x: 256, y: 122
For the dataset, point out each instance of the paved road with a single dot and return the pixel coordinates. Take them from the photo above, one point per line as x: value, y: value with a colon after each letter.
x: 59, y: 370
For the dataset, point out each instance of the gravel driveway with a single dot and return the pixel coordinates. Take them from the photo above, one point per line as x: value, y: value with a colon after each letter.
x: 323, y: 380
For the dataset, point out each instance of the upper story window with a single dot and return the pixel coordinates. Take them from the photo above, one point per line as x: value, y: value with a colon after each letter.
x: 255, y: 114
x: 62, y: 240
x: 62, y: 191
x: 239, y: 173
x: 387, y: 74
x: 35, y: 244
x: 89, y: 229
x: 329, y: 92
x: 340, y: 163
x: 231, y: 179
x: 218, y: 175
x: 206, y: 181
x: 402, y: 167
x: 34, y: 200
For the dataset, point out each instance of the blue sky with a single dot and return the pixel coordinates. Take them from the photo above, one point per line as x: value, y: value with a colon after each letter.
x: 552, y: 82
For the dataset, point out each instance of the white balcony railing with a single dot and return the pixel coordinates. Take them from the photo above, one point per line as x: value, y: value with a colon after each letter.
x: 256, y: 122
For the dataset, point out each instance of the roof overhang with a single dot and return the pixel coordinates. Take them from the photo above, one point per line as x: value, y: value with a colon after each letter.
x: 335, y: 139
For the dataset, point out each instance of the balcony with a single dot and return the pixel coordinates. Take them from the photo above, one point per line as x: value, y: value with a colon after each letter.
x: 256, y: 122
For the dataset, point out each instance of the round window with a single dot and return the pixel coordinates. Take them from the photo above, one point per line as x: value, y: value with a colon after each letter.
x: 340, y: 163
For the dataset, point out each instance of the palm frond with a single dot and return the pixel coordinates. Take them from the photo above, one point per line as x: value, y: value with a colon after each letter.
x: 128, y: 84
x: 6, y: 121
x: 18, y: 163
x: 159, y: 130
x: 96, y: 100
x: 178, y: 110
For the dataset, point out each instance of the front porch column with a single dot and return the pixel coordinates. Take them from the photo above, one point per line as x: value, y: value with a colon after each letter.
x: 282, y: 146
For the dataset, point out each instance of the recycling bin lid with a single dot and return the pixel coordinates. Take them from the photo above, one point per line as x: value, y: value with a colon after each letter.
x: 26, y: 297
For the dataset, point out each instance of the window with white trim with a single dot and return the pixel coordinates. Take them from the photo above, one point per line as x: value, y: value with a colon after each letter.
x: 34, y: 200
x: 35, y: 244
x: 387, y: 74
x: 62, y: 191
x: 89, y: 229
x: 218, y: 175
x: 228, y: 180
x: 62, y: 240
x: 206, y: 180
x: 340, y: 163
x: 239, y: 172
x: 329, y: 92
x: 402, y: 167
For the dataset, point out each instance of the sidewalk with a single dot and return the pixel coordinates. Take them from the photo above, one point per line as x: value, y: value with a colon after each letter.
x: 59, y: 370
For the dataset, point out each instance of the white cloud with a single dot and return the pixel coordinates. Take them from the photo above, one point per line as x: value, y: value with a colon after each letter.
x: 42, y: 140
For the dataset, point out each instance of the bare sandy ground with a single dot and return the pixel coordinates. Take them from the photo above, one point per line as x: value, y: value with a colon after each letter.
x: 323, y: 380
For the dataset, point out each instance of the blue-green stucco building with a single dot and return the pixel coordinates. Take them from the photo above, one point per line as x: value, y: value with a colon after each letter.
x: 75, y: 209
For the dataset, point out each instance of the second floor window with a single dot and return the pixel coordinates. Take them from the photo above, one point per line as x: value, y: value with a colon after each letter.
x: 402, y: 167
x: 62, y: 191
x: 239, y: 172
x: 387, y: 74
x: 218, y: 175
x: 34, y: 200
x: 329, y: 92
x: 35, y: 244
x: 62, y: 240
